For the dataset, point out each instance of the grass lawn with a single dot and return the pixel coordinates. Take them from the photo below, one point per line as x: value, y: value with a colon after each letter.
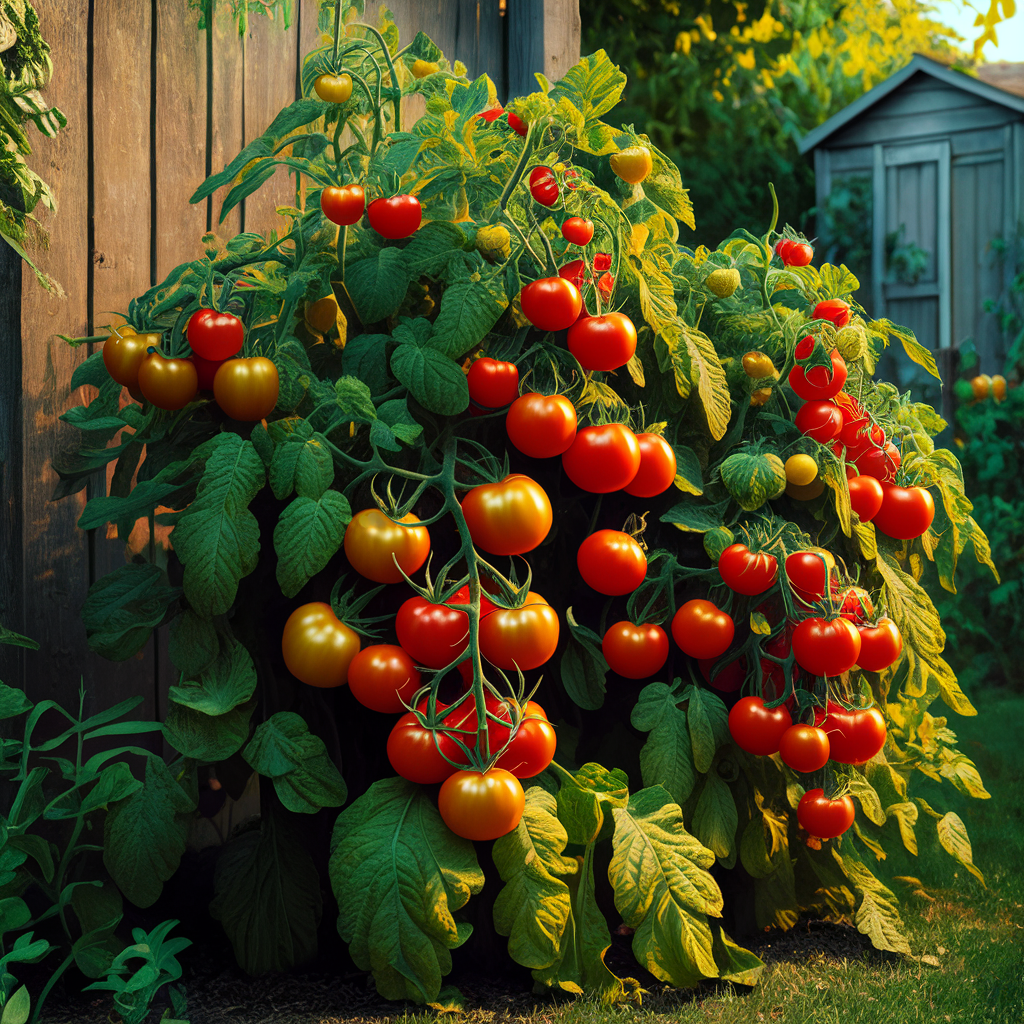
x: 973, y: 936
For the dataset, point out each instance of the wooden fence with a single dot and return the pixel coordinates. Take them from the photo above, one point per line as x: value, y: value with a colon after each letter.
x: 153, y: 106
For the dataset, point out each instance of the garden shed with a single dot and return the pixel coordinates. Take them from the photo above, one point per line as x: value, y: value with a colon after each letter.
x: 944, y: 155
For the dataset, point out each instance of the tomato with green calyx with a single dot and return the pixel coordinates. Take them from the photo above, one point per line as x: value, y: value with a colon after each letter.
x: 906, y: 512
x: 755, y: 728
x: 434, y: 635
x: 808, y: 573
x: 214, y: 335
x: 492, y: 382
x: 415, y: 752
x: 818, y: 383
x: 657, y: 470
x: 374, y: 544
x: 602, y: 459
x: 801, y: 470
x: 543, y: 186
x: 854, y: 736
x: 794, y: 253
x: 384, y: 678
x: 206, y: 371
x: 396, y: 216
x: 880, y: 645
x: 820, y: 421
x: 633, y: 164
x: 168, y: 383
x: 333, y: 88
x: 317, y: 647
x: 531, y: 749
x: 551, y: 303
x: 510, y: 517
x: 603, y: 342
x: 123, y: 353
x: 746, y: 573
x: 758, y: 365
x: 826, y: 647
x: 865, y: 497
x: 520, y: 638
x: 611, y: 562
x: 702, y: 629
x: 635, y: 652
x: 578, y: 230
x: 824, y: 818
x: 481, y: 805
x: 343, y: 205
x: 541, y: 426
x: 881, y: 463
x: 804, y: 748
x: 859, y: 434
x: 247, y: 389
x: 836, y: 311
x: 856, y: 605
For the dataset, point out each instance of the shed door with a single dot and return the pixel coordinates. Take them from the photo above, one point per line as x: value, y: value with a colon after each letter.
x: 911, y: 241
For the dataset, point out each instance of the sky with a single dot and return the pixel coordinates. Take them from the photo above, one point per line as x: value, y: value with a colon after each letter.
x: 961, y: 17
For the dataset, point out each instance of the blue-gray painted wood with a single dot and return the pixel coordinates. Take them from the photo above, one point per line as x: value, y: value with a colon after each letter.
x: 871, y: 129
x: 525, y: 45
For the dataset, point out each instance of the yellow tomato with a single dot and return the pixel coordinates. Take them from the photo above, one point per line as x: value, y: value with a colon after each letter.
x: 333, y: 88
x: 758, y: 365
x: 981, y: 386
x: 998, y: 387
x: 317, y: 647
x: 801, y: 470
x: 371, y: 539
x: 760, y: 396
x: 632, y: 164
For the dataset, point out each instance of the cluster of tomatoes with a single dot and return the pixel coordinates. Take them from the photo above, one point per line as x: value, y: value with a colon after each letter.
x: 245, y: 388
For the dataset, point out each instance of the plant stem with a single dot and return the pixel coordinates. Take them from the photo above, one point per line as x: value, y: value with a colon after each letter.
x: 337, y: 31
x: 38, y: 1008
x: 396, y: 92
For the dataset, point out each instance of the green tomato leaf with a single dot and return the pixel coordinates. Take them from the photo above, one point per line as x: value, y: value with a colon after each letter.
x: 434, y: 380
x: 663, y: 889
x: 217, y: 537
x: 305, y: 778
x: 691, y: 517
x: 469, y: 309
x: 432, y: 247
x: 207, y: 738
x: 667, y: 756
x: 583, y: 667
x: 593, y: 85
x: 303, y: 464
x: 365, y: 357
x: 193, y: 643
x: 12, y: 702
x: 534, y: 907
x: 708, y: 719
x: 584, y: 800
x: 715, y: 818
x: 877, y: 914
x: 398, y: 875
x: 307, y: 536
x: 267, y: 897
x: 229, y: 681
x: 377, y: 285
x: 955, y: 841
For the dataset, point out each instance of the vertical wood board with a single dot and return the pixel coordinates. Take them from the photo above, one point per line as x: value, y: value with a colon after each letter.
x: 225, y: 112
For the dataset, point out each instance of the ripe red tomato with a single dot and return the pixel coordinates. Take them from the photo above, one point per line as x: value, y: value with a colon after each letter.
x: 384, y: 678
x: 820, y: 421
x: 531, y: 749
x: 794, y: 253
x: 517, y: 124
x: 702, y: 630
x: 167, y: 383
x: 859, y: 434
x: 865, y: 497
x: 906, y: 512
x: 808, y: 572
x: 492, y: 115
x: 542, y: 426
x: 543, y: 186
x: 605, y: 284
x: 818, y: 383
x: 415, y: 751
x: 603, y: 459
x: 602, y: 262
x: 481, y: 805
x: 396, y: 216
x: 880, y: 645
x: 635, y: 652
x: 493, y: 383
x: 657, y: 467
x: 855, y: 736
x: 317, y: 647
x: 123, y: 353
x: 755, y: 729
x: 603, y: 342
x: 804, y: 748
x: 824, y: 818
x: 856, y: 605
x: 835, y: 311
x: 461, y: 723
x: 214, y: 336
x: 461, y: 597
x: 611, y: 562
x: 206, y: 370
x: 578, y: 230
x: 373, y: 543
x: 576, y: 272
x: 247, y: 389
x: 344, y: 205
x: 510, y: 517
x: 551, y: 303
x: 879, y: 462
x: 433, y: 634
x: 522, y: 638
x: 747, y: 573
x: 826, y: 647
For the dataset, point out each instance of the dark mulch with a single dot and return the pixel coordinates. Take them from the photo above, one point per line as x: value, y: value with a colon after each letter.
x: 328, y: 991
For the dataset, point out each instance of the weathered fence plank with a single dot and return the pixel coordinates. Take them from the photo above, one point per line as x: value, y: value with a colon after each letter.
x: 225, y: 112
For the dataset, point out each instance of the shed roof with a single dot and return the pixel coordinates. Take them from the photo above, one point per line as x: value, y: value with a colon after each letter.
x: 919, y: 65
